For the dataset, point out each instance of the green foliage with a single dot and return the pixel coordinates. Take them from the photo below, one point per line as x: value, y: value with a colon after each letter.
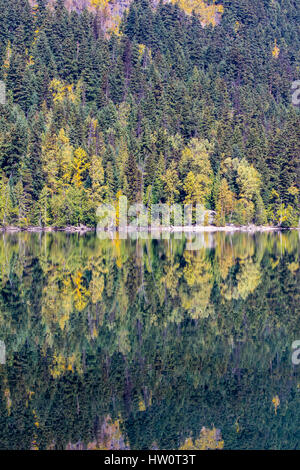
x: 150, y: 110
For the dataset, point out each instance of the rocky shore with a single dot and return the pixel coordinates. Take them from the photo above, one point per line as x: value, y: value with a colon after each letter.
x: 188, y: 229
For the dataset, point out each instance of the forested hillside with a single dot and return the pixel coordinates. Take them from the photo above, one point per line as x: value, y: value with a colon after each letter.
x: 187, y: 102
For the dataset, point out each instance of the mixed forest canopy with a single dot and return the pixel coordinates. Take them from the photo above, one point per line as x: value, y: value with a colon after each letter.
x: 186, y: 102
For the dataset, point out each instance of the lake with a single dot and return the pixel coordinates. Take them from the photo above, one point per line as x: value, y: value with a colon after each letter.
x: 149, y: 344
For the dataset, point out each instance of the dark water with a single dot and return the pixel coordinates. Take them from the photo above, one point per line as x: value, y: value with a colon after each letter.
x: 145, y: 344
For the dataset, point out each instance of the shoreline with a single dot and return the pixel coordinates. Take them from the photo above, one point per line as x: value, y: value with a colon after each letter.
x: 172, y: 229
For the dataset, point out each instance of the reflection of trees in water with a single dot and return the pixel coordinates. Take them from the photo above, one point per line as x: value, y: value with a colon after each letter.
x: 246, y: 281
x: 148, y: 343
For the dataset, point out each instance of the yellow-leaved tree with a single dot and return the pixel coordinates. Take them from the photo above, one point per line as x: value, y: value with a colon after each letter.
x: 80, y: 166
x: 195, y: 169
x: 225, y: 203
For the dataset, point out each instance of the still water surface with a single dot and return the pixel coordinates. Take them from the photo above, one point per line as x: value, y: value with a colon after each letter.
x: 141, y: 344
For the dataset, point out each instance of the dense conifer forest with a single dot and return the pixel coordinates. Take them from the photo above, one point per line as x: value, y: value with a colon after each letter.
x: 168, y: 106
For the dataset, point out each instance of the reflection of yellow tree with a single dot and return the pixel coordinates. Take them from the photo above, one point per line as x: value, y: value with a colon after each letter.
x: 247, y: 280
x: 293, y: 267
x: 230, y: 251
x: 171, y: 277
x: 56, y: 305
x: 80, y: 292
x: 276, y: 403
x: 209, y: 439
x: 62, y: 363
x: 109, y: 436
x: 198, y: 276
x: 124, y: 342
x: 7, y: 396
x: 96, y: 288
x: 62, y: 294
x: 224, y: 256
